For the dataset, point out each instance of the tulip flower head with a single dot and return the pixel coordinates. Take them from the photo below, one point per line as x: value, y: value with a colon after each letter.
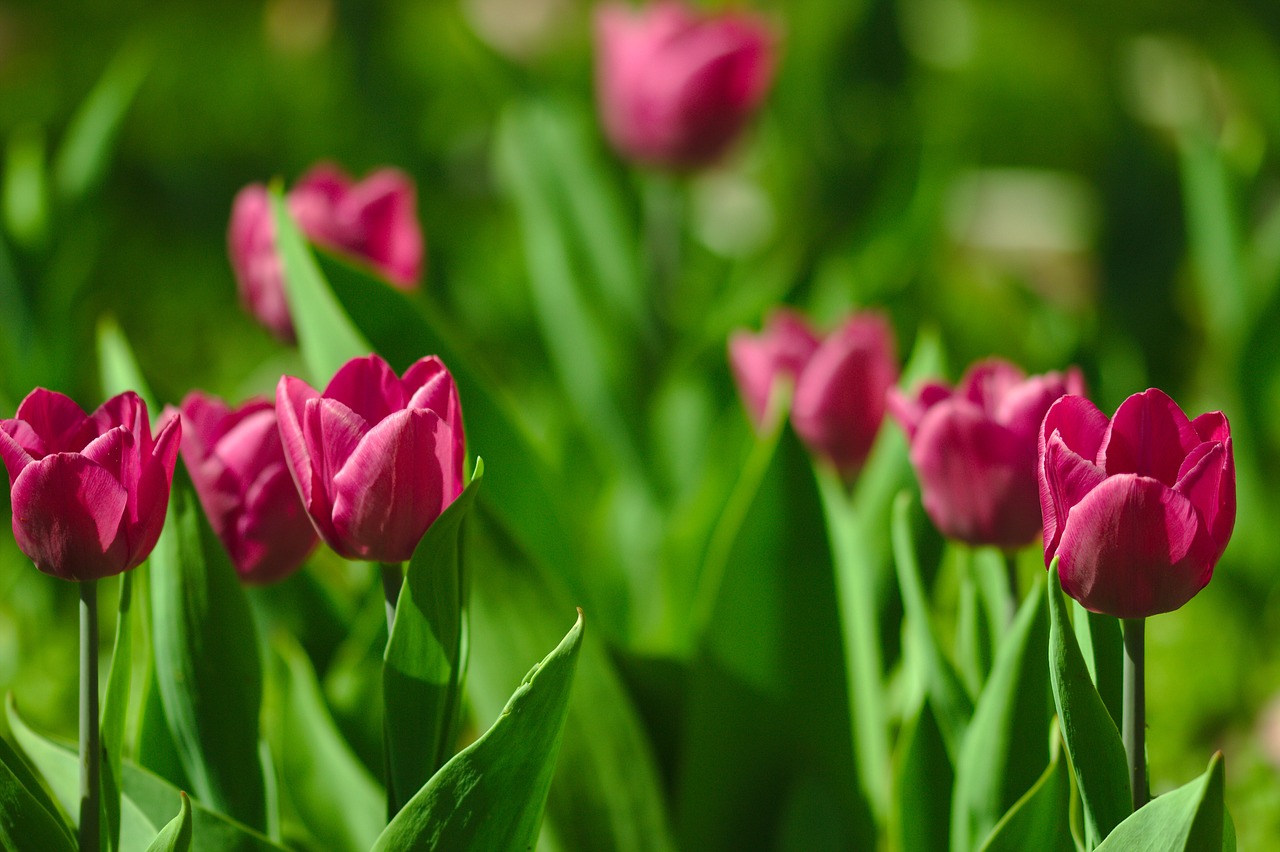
x: 974, y: 449
x: 1138, y: 508
x: 89, y: 492
x: 374, y: 220
x: 675, y: 87
x: 376, y: 457
x: 840, y: 381
x: 237, y: 465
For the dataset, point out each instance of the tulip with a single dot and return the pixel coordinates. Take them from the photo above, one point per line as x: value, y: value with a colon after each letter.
x: 675, y: 87
x: 1137, y: 509
x: 237, y: 465
x: 374, y: 220
x: 376, y: 458
x: 974, y: 450
x: 89, y: 492
x: 781, y: 350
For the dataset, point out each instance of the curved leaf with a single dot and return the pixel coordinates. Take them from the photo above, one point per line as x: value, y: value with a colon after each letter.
x: 924, y: 780
x: 176, y: 836
x: 1190, y: 819
x: 27, y: 818
x: 1039, y: 819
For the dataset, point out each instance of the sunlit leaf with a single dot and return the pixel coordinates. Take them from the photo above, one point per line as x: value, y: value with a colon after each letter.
x: 28, y: 819
x: 176, y: 836
x: 1190, y: 819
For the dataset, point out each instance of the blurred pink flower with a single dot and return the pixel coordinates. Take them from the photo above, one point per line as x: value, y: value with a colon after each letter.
x: 676, y: 87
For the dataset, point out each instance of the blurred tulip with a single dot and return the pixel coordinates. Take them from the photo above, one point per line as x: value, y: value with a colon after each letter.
x: 758, y: 360
x: 675, y: 88
x: 89, y: 492
x: 1137, y: 509
x: 974, y: 449
x: 374, y: 220
x: 237, y: 465
x: 375, y: 457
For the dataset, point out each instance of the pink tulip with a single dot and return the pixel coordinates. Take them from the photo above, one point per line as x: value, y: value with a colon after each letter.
x: 974, y: 449
x: 676, y: 87
x: 374, y: 220
x: 375, y: 457
x: 781, y: 350
x: 237, y: 465
x: 840, y: 394
x: 89, y: 492
x: 1137, y: 509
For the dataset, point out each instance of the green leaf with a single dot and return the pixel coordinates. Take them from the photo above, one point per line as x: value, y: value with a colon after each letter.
x: 149, y: 799
x: 423, y: 664
x: 90, y: 139
x: 923, y: 783
x: 1102, y: 645
x: 26, y: 202
x: 1093, y: 741
x: 491, y: 794
x: 207, y: 663
x: 26, y: 821
x: 115, y: 709
x: 337, y: 799
x: 1005, y: 749
x: 947, y: 694
x: 326, y: 336
x: 1039, y: 819
x: 119, y: 367
x: 176, y: 836
x: 1190, y: 819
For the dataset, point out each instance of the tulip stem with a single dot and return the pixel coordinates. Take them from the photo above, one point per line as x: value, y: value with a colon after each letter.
x: 1134, y: 715
x: 1011, y: 571
x: 392, y: 580
x: 90, y: 738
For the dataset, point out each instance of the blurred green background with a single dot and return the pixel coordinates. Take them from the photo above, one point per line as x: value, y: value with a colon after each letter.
x: 1085, y: 183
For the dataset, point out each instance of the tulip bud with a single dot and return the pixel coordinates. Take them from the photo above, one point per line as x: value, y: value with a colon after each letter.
x: 374, y: 220
x: 376, y: 458
x: 1138, y: 509
x: 840, y: 394
x: 675, y: 88
x: 974, y: 449
x: 781, y: 350
x: 237, y: 465
x: 89, y: 492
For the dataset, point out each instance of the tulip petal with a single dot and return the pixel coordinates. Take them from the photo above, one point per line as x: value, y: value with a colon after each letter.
x: 367, y: 386
x: 67, y: 513
x: 205, y: 421
x: 250, y: 442
x: 1212, y: 426
x: 60, y: 424
x: 1127, y: 549
x: 783, y: 348
x: 1079, y: 422
x: 1207, y: 478
x: 391, y: 489
x: 292, y: 398
x: 1024, y: 405
x: 1149, y: 436
x: 11, y: 451
x: 909, y: 410
x: 149, y: 499
x: 988, y: 382
x: 1065, y: 478
x: 384, y: 212
x: 273, y: 534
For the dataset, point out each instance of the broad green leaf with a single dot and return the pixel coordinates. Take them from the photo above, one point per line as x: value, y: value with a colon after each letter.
x: 336, y: 798
x: 119, y: 367
x: 1102, y: 645
x: 26, y: 195
x: 59, y: 765
x: 1039, y: 819
x: 326, y: 336
x: 149, y: 799
x: 207, y: 664
x: 491, y: 795
x: 176, y: 836
x: 1093, y: 742
x: 27, y: 820
x: 1190, y: 819
x: 947, y: 694
x: 606, y: 795
x: 1005, y: 749
x: 423, y: 664
x: 922, y: 783
x: 115, y: 708
x: 90, y: 139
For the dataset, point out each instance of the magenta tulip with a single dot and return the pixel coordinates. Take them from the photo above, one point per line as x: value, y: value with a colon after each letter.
x: 1137, y: 509
x: 374, y: 221
x: 840, y: 394
x: 375, y: 457
x: 237, y: 465
x: 974, y: 449
x: 781, y: 350
x: 676, y: 87
x: 89, y: 492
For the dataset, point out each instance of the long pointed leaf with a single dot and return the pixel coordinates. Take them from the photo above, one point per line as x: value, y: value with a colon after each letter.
x: 1190, y: 819
x: 176, y: 836
x: 923, y: 782
x: 26, y: 821
x: 1039, y: 819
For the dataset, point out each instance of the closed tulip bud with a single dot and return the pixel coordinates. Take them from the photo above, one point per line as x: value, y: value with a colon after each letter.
x: 374, y: 221
x: 376, y: 457
x: 1139, y: 508
x: 840, y: 394
x: 89, y: 492
x: 974, y: 449
x: 675, y: 87
x: 237, y: 465
x: 781, y: 350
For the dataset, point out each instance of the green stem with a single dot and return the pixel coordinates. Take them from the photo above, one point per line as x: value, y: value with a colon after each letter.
x: 392, y: 580
x: 1134, y: 716
x: 1011, y: 572
x: 90, y: 739
x: 663, y: 212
